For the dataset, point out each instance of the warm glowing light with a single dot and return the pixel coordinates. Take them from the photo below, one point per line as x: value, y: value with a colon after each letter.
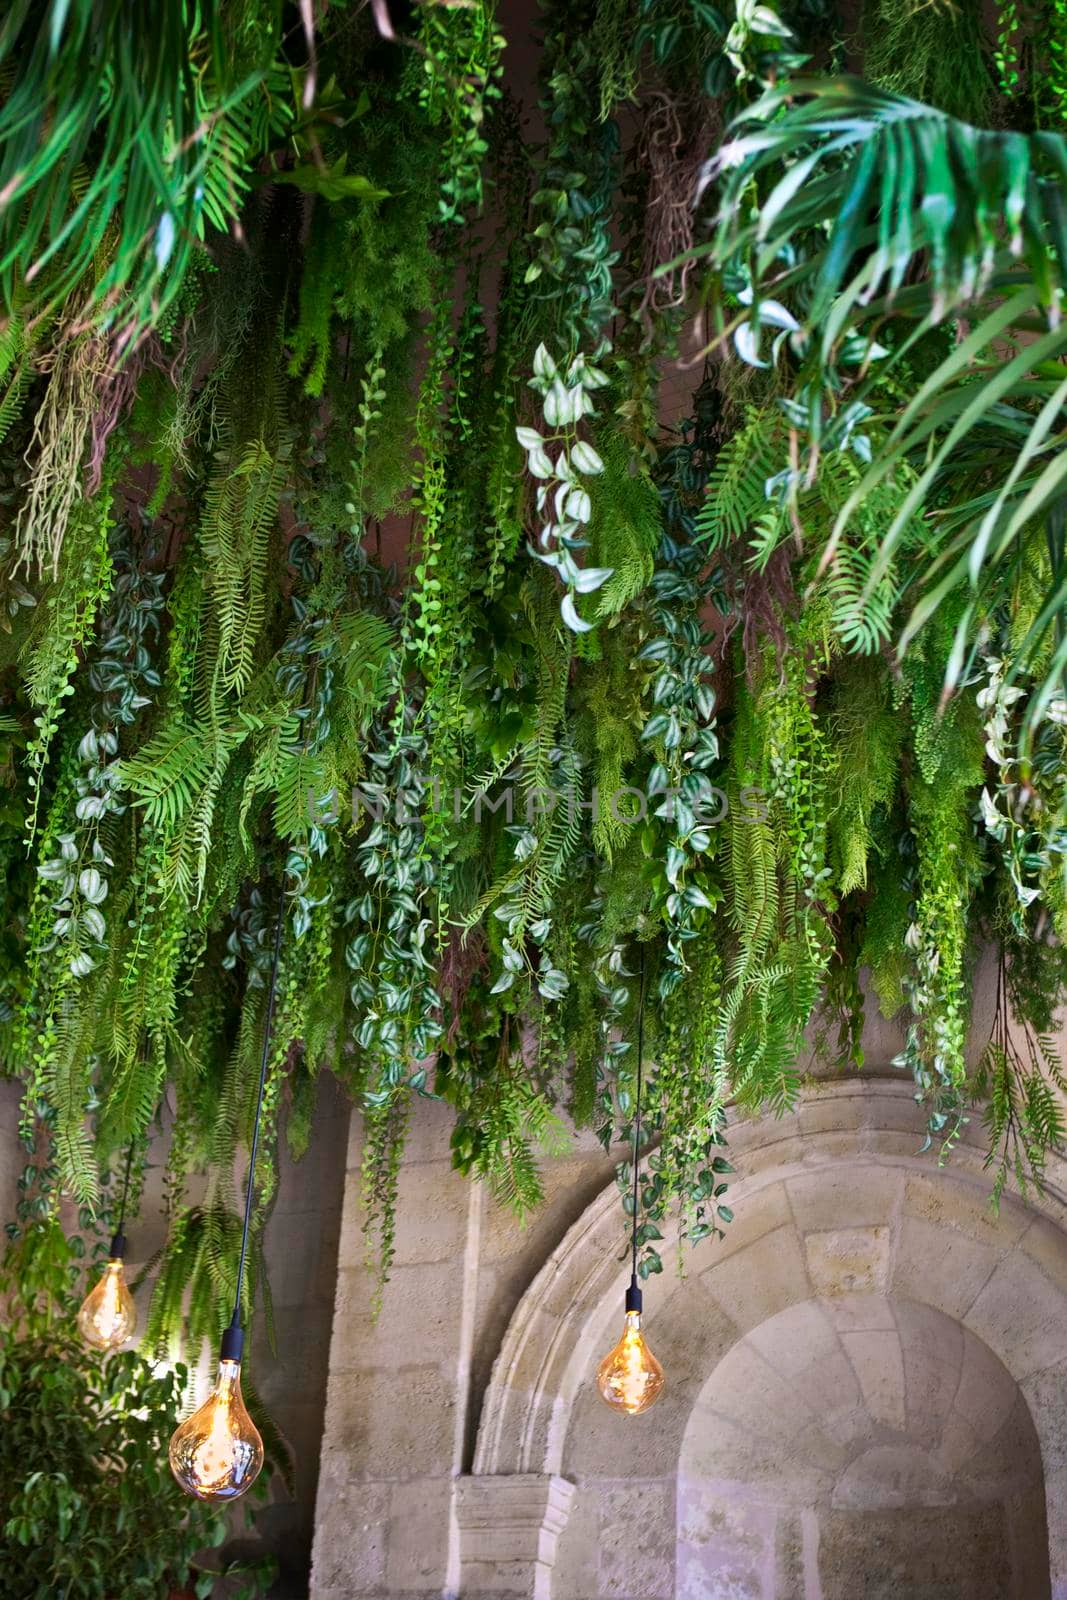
x: 217, y: 1453
x: 108, y: 1315
x: 630, y: 1378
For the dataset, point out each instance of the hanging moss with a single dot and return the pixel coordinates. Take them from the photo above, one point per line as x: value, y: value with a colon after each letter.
x: 939, y: 54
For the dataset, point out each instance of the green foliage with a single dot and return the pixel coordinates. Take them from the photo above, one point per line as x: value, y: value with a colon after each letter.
x: 937, y: 54
x: 700, y: 731
x: 90, y: 1504
x: 460, y: 61
x: 125, y: 134
x: 915, y: 230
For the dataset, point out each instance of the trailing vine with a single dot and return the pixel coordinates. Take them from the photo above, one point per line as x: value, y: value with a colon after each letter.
x: 371, y: 550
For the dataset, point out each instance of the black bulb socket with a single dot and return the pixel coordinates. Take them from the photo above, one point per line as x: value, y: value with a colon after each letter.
x: 118, y: 1247
x: 233, y: 1343
x: 633, y: 1296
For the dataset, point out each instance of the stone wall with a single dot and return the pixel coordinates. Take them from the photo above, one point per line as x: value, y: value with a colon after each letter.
x: 300, y: 1246
x: 402, y: 1402
x: 866, y: 1384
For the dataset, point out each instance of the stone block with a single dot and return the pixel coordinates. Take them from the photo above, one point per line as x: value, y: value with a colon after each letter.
x: 722, y: 1511
x: 933, y: 1348
x: 1028, y: 1535
x: 392, y: 1423
x: 814, y: 1457
x: 1012, y: 1458
x: 848, y: 1261
x: 1046, y: 1244
x: 986, y: 1391
x: 829, y: 1113
x: 601, y: 1442
x: 726, y: 1544
x: 428, y: 1135
x: 860, y: 1196
x: 571, y: 1184
x: 937, y: 1265
x: 717, y: 1448
x: 1020, y: 1316
x: 577, y: 1550
x: 959, y: 1448
x: 860, y: 1313
x: 934, y: 1553
x: 687, y: 1329
x: 1056, y: 1503
x: 419, y: 1515
x: 763, y: 1212
x: 433, y: 1208
x: 789, y: 1555
x: 762, y: 1402
x: 762, y: 1279
x: 350, y: 1539
x: 718, y: 1579
x: 509, y: 1528
x: 1045, y: 1394
x: 795, y: 1339
x: 961, y: 1205
x: 528, y: 1367
x: 419, y: 1320
x: 879, y: 1367
x: 827, y: 1385
x: 636, y: 1541
x: 898, y: 1476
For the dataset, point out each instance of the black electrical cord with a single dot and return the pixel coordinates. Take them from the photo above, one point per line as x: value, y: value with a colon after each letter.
x: 233, y: 1338
x: 633, y: 1293
x: 118, y: 1241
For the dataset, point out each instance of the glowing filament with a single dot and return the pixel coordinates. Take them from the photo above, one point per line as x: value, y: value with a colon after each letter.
x: 630, y: 1378
x: 217, y: 1453
x: 108, y: 1315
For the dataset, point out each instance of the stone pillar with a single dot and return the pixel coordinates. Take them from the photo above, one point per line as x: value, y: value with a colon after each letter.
x: 509, y: 1528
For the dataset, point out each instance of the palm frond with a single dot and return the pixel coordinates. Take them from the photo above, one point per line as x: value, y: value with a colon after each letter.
x: 883, y: 218
x: 126, y: 130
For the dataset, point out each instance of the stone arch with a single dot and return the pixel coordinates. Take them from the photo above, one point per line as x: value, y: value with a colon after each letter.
x: 861, y: 1445
x: 834, y: 1200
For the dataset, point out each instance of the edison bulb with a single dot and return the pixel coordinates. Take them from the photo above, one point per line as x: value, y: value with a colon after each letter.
x: 217, y: 1453
x: 108, y: 1315
x: 630, y: 1378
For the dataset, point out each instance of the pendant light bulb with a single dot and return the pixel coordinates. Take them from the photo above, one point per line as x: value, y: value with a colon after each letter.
x: 108, y: 1315
x: 217, y: 1453
x: 630, y: 1378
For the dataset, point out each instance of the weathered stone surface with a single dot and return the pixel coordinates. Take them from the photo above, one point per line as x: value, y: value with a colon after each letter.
x: 419, y: 1513
x: 851, y: 1197
x: 848, y: 1261
x: 964, y: 1266
x: 418, y: 1322
x: 636, y: 1542
x: 842, y: 1415
x: 350, y: 1539
x: 392, y: 1423
x: 1020, y: 1315
x: 878, y: 1363
x: 937, y: 1554
x: 756, y: 1282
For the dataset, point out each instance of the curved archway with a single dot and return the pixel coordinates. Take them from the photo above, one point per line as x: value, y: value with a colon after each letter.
x: 873, y: 1448
x: 833, y: 1203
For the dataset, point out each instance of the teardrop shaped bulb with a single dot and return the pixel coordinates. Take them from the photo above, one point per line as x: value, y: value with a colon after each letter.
x: 216, y: 1454
x: 108, y: 1315
x: 630, y: 1378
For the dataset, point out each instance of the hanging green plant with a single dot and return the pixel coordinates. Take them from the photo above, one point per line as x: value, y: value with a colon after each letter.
x: 383, y: 540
